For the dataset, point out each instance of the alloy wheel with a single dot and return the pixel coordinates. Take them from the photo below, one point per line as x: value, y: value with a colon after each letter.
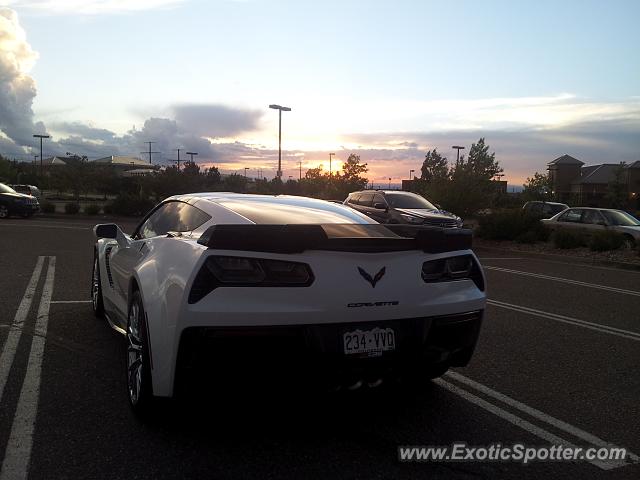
x: 95, y: 285
x: 134, y: 355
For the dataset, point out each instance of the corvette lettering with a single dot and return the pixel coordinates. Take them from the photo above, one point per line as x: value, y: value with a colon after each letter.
x: 373, y: 304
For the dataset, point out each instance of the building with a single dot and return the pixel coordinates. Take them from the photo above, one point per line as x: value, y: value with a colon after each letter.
x: 573, y: 182
x: 126, y: 166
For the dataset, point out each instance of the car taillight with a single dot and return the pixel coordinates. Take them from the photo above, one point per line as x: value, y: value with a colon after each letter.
x: 460, y: 267
x: 225, y: 271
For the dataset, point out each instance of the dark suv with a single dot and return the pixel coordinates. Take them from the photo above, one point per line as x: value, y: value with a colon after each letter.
x: 393, y: 206
x: 14, y: 203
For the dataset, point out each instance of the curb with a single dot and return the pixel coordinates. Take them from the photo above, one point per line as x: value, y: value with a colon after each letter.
x: 565, y: 258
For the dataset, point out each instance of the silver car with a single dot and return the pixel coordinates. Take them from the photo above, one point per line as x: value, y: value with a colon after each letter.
x: 590, y: 220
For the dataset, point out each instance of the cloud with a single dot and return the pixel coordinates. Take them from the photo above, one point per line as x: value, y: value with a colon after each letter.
x: 93, y: 7
x: 521, y: 151
x: 83, y: 131
x: 215, y: 120
x: 17, y: 88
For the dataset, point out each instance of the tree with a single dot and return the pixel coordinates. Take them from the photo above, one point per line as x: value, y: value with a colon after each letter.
x: 351, y: 179
x: 480, y: 164
x: 616, y: 196
x: 435, y: 167
x: 352, y: 171
x: 538, y: 187
x: 465, y: 188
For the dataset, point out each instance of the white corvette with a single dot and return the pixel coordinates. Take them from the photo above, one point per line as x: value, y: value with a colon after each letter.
x: 208, y: 281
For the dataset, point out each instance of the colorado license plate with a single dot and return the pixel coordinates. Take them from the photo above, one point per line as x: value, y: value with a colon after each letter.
x: 372, y: 342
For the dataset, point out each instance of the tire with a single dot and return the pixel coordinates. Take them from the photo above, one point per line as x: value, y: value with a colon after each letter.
x: 437, y: 371
x: 138, y: 370
x: 629, y: 242
x: 4, y: 211
x: 97, y: 301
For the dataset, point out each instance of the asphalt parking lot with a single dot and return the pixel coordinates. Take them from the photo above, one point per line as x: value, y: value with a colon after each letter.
x: 558, y: 362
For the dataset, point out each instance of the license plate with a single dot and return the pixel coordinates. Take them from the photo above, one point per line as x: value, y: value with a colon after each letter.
x: 371, y: 342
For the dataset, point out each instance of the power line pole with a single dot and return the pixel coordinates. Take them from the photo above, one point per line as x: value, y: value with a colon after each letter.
x: 149, y: 152
x: 178, y: 160
x: 300, y: 162
x: 41, y: 137
x: 330, y: 155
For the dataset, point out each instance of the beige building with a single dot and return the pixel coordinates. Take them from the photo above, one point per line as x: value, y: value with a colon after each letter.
x: 576, y: 183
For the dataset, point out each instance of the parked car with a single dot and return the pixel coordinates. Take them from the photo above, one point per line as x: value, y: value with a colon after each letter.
x: 28, y: 190
x: 544, y: 209
x: 393, y: 206
x: 14, y: 203
x: 272, y: 285
x: 590, y: 220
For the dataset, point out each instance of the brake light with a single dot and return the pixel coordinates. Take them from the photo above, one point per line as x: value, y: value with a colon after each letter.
x: 226, y: 271
x: 460, y: 267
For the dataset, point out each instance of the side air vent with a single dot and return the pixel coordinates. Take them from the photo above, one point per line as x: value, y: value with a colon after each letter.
x: 107, y: 256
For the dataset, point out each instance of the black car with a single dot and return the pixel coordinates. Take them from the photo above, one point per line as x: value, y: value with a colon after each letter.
x: 393, y: 206
x: 14, y: 203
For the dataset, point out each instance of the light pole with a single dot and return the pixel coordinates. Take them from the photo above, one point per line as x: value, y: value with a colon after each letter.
x: 330, y: 155
x: 389, y: 183
x: 458, y: 148
x: 41, y: 137
x: 280, y: 110
x: 410, y: 172
x: 300, y: 162
x: 191, y: 154
x: 245, y: 172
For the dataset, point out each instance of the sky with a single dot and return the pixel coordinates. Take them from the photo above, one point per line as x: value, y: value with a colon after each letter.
x: 387, y: 80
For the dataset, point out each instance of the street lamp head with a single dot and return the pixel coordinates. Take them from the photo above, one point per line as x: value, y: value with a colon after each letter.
x: 279, y: 107
x: 41, y: 136
x: 192, y: 153
x: 457, y: 147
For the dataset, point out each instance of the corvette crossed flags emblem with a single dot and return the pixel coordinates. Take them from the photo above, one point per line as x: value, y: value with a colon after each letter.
x: 369, y: 278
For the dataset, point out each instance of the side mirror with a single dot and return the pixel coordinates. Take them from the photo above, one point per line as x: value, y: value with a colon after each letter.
x: 106, y: 230
x: 379, y: 206
x: 111, y: 230
x: 438, y: 206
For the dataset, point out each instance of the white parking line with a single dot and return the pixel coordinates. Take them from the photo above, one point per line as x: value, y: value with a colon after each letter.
x: 536, y: 430
x: 482, y: 259
x: 15, y: 331
x: 565, y: 280
x: 18, y: 452
x: 569, y: 320
x: 70, y: 301
x: 50, y: 225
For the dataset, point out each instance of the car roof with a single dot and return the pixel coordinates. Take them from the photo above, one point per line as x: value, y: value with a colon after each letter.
x: 228, y: 207
x: 548, y: 203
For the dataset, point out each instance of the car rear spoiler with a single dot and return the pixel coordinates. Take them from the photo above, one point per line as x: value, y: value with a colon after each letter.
x: 373, y: 238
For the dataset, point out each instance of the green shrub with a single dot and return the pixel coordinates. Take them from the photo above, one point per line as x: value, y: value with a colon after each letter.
x: 512, y: 225
x: 130, y: 205
x: 71, y: 208
x: 48, y: 207
x: 92, y: 209
x: 528, y: 237
x: 606, y: 240
x: 566, y: 239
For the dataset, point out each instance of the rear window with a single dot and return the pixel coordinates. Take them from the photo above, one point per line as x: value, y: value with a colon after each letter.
x: 365, y: 199
x: 571, y: 216
x: 353, y: 198
x: 269, y: 213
